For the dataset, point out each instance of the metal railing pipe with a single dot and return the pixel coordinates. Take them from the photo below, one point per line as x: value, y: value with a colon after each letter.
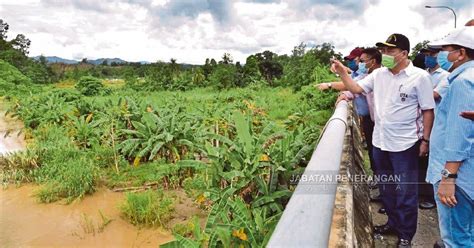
x: 306, y: 220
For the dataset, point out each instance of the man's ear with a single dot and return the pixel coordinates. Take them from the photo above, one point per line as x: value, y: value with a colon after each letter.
x: 463, y: 54
x: 407, y: 53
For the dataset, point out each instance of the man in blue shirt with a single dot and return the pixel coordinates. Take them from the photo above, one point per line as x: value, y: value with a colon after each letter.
x: 451, y: 162
x: 439, y: 79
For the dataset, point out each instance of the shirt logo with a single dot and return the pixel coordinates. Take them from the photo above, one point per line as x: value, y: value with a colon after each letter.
x: 403, y: 96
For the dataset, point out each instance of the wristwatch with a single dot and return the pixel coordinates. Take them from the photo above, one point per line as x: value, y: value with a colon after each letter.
x: 425, y: 140
x: 447, y: 174
x: 329, y: 85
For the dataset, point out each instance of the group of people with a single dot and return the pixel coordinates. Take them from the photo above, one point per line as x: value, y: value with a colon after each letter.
x: 419, y: 127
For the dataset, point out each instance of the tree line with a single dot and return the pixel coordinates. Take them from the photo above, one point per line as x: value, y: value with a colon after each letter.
x: 302, y: 67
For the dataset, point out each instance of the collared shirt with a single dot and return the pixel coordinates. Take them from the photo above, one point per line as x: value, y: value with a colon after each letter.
x: 398, y: 102
x: 369, y: 98
x: 439, y: 79
x: 452, y: 137
x: 360, y: 101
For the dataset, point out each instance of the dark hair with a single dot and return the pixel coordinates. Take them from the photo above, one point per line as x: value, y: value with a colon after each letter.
x: 470, y: 53
x: 374, y: 53
x: 419, y: 61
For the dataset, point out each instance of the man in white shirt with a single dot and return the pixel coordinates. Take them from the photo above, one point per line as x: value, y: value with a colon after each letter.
x: 403, y: 98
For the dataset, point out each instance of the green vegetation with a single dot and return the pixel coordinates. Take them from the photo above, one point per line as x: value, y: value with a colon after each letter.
x: 90, y: 86
x: 229, y: 135
x: 148, y: 208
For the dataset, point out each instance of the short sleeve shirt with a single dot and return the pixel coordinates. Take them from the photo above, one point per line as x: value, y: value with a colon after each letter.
x: 439, y: 79
x: 398, y: 103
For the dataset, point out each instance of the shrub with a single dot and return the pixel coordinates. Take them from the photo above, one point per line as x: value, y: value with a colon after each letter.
x: 10, y: 74
x: 68, y: 179
x: 12, y: 81
x: 149, y: 208
x: 41, y: 109
x: 90, y: 86
x: 318, y: 100
x: 67, y: 171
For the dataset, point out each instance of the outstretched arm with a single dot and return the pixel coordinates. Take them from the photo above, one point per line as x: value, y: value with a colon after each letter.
x: 350, y: 84
x: 334, y: 85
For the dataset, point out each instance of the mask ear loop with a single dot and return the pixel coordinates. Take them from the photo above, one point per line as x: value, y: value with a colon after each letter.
x: 458, y: 56
x: 368, y: 68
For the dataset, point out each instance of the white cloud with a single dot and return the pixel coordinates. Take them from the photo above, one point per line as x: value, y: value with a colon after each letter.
x: 191, y: 31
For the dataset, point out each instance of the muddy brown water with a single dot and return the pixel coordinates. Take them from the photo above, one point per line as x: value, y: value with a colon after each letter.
x: 11, y: 139
x: 26, y: 223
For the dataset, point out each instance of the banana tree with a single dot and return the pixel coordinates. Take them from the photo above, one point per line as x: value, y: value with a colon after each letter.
x: 169, y: 134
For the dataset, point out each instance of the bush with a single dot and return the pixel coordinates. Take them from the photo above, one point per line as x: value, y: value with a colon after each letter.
x: 10, y: 74
x: 68, y: 179
x: 149, y: 208
x: 90, y: 86
x: 41, y: 109
x: 66, y: 171
x: 318, y: 100
x: 12, y: 81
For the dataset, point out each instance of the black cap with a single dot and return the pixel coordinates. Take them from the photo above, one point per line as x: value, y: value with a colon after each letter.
x: 396, y: 40
x: 430, y: 49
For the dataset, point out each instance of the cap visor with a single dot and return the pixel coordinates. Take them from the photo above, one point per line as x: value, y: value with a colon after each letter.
x: 429, y: 49
x: 433, y: 48
x: 384, y: 44
x: 349, y: 57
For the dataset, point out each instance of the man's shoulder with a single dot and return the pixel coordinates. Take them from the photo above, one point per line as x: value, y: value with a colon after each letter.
x: 442, y: 72
x: 419, y: 72
x: 466, y: 77
x: 379, y: 72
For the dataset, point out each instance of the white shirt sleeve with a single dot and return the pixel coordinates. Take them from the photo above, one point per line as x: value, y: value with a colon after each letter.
x: 367, y: 83
x: 424, y: 92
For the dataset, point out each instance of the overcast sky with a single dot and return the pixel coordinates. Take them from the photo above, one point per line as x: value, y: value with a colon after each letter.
x: 192, y: 30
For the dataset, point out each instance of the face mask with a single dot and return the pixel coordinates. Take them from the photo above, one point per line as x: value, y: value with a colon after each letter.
x: 352, y: 65
x: 430, y: 62
x: 362, y: 69
x: 443, y: 61
x: 389, y: 61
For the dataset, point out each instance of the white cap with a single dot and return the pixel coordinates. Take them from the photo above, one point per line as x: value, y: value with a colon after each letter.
x: 462, y: 37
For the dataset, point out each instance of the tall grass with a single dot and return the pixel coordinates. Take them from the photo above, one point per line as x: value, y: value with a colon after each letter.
x: 150, y: 208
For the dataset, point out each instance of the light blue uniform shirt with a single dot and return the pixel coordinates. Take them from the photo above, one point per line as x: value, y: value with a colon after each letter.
x: 439, y: 79
x: 452, y: 137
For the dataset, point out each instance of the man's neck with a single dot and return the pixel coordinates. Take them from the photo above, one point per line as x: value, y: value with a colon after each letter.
x: 400, y: 66
x: 372, y: 69
x: 459, y: 63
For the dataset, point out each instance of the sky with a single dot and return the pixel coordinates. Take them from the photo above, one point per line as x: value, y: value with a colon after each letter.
x: 193, y: 30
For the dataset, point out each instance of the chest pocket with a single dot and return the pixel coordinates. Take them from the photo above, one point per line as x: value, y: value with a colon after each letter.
x: 404, y: 94
x: 443, y: 104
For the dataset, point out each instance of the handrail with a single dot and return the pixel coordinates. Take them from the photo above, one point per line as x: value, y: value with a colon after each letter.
x: 306, y: 220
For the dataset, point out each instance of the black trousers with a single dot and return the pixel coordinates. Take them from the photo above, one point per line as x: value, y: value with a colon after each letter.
x: 398, y: 176
x: 425, y: 190
x: 368, y: 128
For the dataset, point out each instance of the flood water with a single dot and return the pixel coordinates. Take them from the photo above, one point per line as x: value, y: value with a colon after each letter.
x: 26, y: 223
x: 14, y: 141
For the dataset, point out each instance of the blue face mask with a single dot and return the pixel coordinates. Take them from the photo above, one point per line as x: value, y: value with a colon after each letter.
x: 352, y: 65
x: 443, y: 61
x: 430, y: 62
x: 362, y: 69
